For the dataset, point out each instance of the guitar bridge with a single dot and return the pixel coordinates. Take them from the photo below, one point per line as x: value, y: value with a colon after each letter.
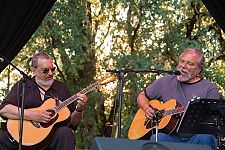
x: 36, y: 124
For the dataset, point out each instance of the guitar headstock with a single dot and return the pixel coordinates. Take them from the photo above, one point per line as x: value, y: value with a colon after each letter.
x: 107, y: 79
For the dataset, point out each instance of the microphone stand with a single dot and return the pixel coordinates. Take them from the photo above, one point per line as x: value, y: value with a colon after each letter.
x: 120, y: 75
x: 156, y: 119
x: 21, y: 94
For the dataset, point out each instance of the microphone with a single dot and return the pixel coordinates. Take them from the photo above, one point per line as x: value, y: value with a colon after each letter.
x: 1, y: 60
x: 175, y: 72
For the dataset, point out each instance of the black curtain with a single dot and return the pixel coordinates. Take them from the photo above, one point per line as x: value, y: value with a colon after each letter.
x: 217, y: 10
x: 19, y: 19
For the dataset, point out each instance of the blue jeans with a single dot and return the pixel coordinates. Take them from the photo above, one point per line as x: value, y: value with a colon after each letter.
x: 204, y: 139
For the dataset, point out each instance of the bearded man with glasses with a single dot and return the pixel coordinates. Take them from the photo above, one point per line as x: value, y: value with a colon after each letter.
x: 181, y: 88
x: 43, y: 71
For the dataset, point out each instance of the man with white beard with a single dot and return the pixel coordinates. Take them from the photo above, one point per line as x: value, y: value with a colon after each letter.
x: 43, y: 71
x: 182, y: 88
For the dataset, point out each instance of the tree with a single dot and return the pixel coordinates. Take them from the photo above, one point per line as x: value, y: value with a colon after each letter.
x: 87, y: 37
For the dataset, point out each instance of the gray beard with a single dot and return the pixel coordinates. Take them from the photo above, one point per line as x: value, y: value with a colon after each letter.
x: 187, y: 78
x: 47, y: 82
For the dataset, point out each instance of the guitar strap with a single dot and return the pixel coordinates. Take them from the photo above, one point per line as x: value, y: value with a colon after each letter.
x: 7, y: 134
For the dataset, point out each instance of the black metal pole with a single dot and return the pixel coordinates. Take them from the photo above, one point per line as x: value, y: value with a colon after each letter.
x: 21, y: 111
x: 120, y: 75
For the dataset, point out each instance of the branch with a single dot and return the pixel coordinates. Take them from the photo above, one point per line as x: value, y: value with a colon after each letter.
x: 190, y: 25
x: 135, y: 31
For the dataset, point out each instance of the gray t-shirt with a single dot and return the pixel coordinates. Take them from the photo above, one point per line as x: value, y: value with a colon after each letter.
x: 169, y: 87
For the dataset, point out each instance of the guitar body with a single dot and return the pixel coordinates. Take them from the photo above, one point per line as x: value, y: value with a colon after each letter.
x: 38, y: 135
x: 34, y: 136
x: 166, y: 124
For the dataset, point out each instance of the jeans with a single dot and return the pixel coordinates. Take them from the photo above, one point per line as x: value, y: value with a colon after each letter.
x: 204, y: 139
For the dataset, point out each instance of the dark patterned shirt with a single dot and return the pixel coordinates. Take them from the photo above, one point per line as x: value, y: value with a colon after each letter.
x: 33, y: 97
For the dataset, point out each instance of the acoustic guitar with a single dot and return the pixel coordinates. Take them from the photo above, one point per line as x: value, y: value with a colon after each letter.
x: 168, y: 115
x: 36, y: 135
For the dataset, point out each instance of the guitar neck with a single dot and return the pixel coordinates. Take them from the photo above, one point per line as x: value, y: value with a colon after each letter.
x: 75, y: 97
x: 174, y: 111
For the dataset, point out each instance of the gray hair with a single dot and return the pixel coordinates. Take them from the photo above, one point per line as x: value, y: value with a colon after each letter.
x: 36, y: 57
x: 201, y: 61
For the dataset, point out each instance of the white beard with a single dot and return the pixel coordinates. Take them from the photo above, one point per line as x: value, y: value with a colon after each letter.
x: 47, y: 82
x: 187, y: 76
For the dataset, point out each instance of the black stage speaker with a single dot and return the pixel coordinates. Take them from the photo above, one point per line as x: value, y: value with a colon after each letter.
x: 100, y: 143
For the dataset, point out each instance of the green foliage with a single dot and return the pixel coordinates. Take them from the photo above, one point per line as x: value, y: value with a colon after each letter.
x: 86, y: 37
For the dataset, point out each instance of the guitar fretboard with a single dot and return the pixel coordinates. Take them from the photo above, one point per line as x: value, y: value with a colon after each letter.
x: 74, y: 97
x: 174, y: 111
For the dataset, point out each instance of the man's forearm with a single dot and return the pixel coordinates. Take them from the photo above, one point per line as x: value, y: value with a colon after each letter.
x: 142, y: 101
x: 76, y: 117
x: 9, y: 111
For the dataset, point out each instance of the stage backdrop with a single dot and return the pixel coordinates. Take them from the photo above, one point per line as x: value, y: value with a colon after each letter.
x: 216, y: 9
x: 19, y: 19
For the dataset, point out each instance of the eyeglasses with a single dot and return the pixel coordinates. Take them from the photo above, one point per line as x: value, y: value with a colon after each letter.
x: 46, y: 70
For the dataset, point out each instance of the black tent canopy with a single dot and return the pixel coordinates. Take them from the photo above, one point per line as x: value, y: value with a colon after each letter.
x: 19, y: 19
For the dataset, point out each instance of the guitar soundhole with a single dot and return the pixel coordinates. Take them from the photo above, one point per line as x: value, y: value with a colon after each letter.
x: 149, y: 124
x: 157, y: 118
x: 160, y: 115
x: 51, y: 111
x: 55, y: 117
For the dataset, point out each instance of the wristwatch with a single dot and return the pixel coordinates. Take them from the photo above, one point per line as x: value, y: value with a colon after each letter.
x: 78, y: 110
